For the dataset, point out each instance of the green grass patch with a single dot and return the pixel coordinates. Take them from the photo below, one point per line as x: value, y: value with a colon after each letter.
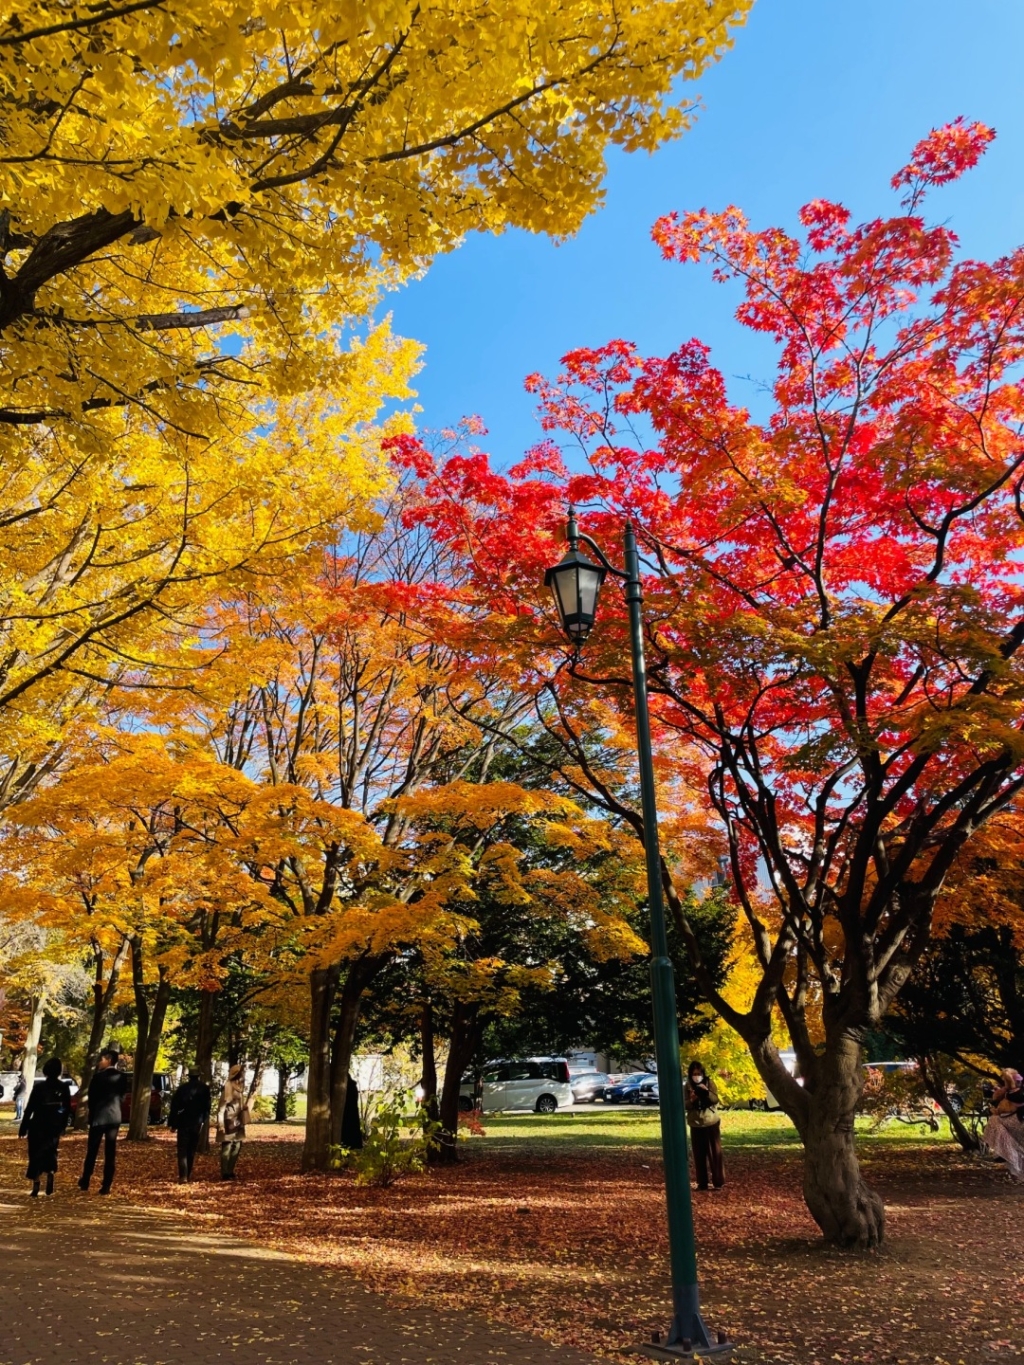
x: 604, y: 1129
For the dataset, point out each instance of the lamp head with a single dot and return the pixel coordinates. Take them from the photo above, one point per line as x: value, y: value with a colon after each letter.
x: 576, y: 584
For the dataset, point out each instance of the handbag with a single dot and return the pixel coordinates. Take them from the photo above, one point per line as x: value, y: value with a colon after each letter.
x: 704, y: 1116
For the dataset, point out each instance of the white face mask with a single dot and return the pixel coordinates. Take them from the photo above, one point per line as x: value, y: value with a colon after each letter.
x: 698, y: 1078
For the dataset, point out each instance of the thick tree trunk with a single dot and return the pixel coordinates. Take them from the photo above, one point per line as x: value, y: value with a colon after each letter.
x: 823, y: 1111
x: 848, y: 1212
x: 360, y: 973
x: 428, y: 1080
x: 30, y: 1057
x: 323, y: 983
x: 146, y: 1051
x: 464, y: 1040
x: 102, y: 994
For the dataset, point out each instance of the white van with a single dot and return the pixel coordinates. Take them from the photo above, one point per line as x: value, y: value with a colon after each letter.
x: 788, y: 1059
x: 537, y: 1083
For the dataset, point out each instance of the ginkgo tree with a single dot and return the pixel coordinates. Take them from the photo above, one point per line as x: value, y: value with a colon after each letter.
x: 204, y: 201
x: 110, y: 550
x: 834, y: 605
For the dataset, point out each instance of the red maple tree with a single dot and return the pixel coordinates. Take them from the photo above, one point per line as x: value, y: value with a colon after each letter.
x: 834, y: 603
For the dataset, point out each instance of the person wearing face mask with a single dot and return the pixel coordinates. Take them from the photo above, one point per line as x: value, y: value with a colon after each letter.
x: 705, y: 1127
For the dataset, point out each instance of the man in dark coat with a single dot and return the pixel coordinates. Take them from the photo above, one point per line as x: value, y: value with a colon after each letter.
x: 190, y: 1109
x: 46, y: 1117
x: 106, y: 1090
x: 351, y: 1126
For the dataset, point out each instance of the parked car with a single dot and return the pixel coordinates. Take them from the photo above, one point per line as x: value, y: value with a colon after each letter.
x: 649, y: 1092
x: 627, y: 1091
x: 8, y: 1080
x: 537, y: 1083
x: 919, y: 1104
x: 588, y: 1086
x: 788, y: 1058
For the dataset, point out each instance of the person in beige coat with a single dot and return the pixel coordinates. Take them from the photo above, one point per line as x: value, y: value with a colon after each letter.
x: 232, y: 1116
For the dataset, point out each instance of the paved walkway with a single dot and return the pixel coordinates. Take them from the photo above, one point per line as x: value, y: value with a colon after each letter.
x: 86, y: 1281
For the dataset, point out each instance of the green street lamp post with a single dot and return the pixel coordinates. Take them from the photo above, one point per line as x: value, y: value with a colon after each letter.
x: 576, y: 584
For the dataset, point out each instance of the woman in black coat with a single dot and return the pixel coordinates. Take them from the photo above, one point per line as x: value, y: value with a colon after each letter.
x: 46, y: 1116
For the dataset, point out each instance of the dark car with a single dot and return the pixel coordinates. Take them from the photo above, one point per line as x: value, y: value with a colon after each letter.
x: 627, y: 1091
x: 588, y: 1086
x: 159, y: 1098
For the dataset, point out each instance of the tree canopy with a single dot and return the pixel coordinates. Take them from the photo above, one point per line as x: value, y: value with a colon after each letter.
x: 835, y: 613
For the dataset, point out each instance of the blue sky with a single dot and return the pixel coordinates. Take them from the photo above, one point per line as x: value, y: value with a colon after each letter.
x: 818, y: 98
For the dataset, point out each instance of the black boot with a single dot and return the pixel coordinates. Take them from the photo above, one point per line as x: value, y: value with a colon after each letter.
x: 35, y: 1190
x: 49, y: 1182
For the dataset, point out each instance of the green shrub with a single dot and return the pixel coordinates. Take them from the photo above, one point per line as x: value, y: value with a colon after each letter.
x: 262, y: 1108
x: 399, y: 1134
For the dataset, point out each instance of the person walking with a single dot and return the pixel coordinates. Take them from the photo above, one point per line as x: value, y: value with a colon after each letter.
x: 19, y: 1098
x: 106, y: 1090
x: 232, y: 1117
x: 45, y: 1118
x: 705, y: 1127
x: 190, y: 1109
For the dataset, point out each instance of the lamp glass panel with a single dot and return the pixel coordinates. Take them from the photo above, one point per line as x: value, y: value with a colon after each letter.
x: 566, y: 591
x: 588, y: 587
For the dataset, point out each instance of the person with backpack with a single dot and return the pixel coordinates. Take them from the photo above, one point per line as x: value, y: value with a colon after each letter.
x: 107, y: 1089
x: 232, y: 1117
x: 45, y: 1118
x: 190, y: 1109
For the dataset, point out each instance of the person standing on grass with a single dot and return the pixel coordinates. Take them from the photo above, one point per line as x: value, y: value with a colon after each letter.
x: 190, y: 1109
x: 705, y: 1127
x: 106, y: 1090
x: 45, y: 1118
x: 19, y: 1098
x: 232, y: 1117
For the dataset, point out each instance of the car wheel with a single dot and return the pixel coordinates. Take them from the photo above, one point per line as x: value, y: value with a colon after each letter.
x: 465, y: 1104
x: 546, y: 1104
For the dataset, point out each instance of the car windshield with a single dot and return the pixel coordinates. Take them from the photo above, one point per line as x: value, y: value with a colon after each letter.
x: 634, y: 1080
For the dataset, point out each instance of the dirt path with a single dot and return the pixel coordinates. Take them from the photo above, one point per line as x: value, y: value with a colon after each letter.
x: 567, y: 1243
x: 90, y: 1281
